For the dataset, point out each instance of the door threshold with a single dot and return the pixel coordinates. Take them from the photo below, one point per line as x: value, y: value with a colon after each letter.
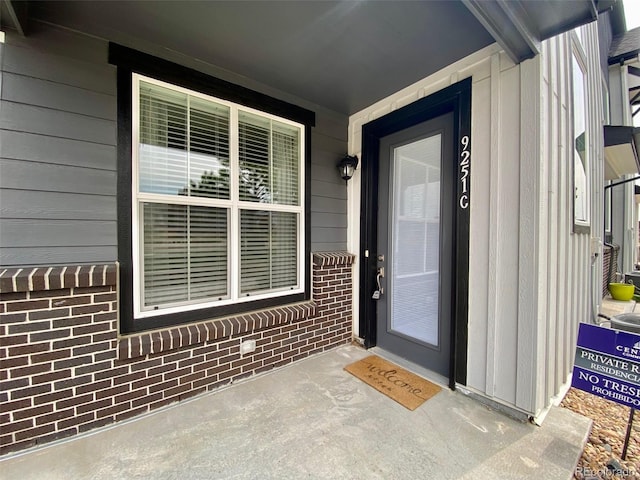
x: 412, y: 367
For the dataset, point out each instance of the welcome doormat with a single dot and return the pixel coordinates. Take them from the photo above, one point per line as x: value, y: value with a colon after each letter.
x: 404, y: 387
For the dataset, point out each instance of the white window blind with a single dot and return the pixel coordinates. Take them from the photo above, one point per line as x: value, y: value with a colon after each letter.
x: 415, y: 180
x: 185, y: 253
x: 269, y: 160
x: 184, y: 144
x: 268, y: 255
x: 209, y: 228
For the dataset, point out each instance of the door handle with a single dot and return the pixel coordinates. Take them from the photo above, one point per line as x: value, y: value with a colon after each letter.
x: 380, y: 290
x: 378, y: 277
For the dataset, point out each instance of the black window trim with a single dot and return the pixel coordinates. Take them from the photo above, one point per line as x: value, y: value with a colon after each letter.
x: 130, y: 61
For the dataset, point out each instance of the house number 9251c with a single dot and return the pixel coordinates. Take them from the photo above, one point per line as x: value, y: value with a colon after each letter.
x: 465, y: 157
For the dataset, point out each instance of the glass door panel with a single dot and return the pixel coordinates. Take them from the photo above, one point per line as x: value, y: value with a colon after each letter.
x: 415, y: 239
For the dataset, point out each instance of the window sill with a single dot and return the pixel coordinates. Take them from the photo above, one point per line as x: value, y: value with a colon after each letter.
x: 581, y: 228
x: 172, y: 338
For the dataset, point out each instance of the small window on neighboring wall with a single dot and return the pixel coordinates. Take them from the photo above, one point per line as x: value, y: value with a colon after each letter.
x: 606, y: 108
x: 606, y: 119
x: 607, y: 213
x: 580, y: 141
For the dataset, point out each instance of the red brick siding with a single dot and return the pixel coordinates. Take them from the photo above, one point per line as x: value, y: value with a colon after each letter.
x: 64, y: 370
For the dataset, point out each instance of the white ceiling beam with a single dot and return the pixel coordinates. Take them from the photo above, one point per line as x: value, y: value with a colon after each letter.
x: 17, y: 13
x: 519, y: 26
x: 507, y: 22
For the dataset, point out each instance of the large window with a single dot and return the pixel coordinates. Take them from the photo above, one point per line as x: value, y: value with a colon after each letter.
x: 217, y: 210
x: 213, y: 195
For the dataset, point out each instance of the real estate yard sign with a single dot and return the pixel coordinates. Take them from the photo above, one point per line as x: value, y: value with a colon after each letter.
x: 607, y: 364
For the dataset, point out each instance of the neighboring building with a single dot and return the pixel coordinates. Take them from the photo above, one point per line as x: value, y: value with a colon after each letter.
x: 172, y: 219
x: 621, y: 50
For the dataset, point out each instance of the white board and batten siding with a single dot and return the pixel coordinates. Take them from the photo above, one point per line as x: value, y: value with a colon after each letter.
x: 569, y: 273
x: 530, y: 275
x: 58, y: 134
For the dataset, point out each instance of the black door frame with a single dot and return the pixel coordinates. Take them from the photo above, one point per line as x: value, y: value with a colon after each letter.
x: 457, y: 99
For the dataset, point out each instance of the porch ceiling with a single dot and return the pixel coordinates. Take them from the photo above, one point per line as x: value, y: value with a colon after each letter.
x: 343, y: 55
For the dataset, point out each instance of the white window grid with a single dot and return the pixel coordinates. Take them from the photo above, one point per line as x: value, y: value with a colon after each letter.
x: 233, y: 206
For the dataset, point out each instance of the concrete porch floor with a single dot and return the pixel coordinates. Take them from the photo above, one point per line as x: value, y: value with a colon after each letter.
x: 314, y: 420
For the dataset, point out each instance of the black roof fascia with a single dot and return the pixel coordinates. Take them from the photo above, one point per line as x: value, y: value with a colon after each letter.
x: 619, y: 134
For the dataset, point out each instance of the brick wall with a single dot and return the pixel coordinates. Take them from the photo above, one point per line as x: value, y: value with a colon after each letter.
x: 606, y: 265
x: 610, y: 255
x: 65, y: 370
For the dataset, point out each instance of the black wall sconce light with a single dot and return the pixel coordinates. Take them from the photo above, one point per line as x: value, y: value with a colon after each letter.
x: 347, y: 166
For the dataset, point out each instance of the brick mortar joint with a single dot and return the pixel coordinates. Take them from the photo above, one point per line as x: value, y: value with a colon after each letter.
x: 147, y: 342
x: 43, y: 278
x: 153, y: 342
x: 333, y: 259
x: 95, y: 422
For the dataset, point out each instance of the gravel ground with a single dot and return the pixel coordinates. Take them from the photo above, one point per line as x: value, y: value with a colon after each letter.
x: 601, y: 455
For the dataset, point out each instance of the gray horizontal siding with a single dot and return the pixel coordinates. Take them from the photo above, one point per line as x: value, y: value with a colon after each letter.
x: 329, y: 196
x: 29, y: 256
x: 326, y: 235
x: 63, y: 45
x: 52, y: 233
x: 328, y: 205
x: 56, y: 205
x: 57, y: 151
x: 329, y: 247
x: 333, y: 126
x: 18, y: 174
x: 60, y: 151
x: 329, y: 148
x: 41, y: 64
x: 44, y: 93
x: 326, y: 172
x: 56, y: 123
x: 58, y: 155
x: 331, y: 220
x: 328, y: 190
